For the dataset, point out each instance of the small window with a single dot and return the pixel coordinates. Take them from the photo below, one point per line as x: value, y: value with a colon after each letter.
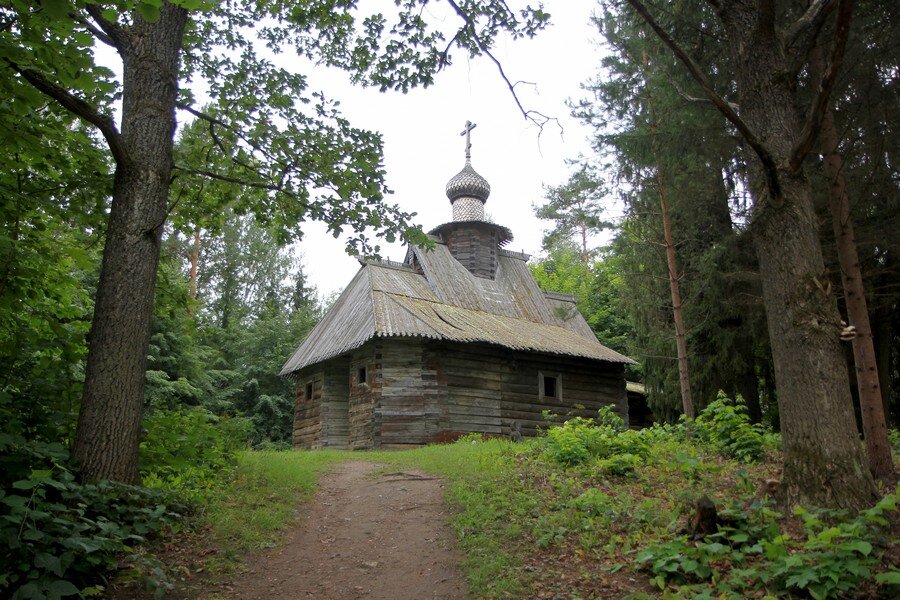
x: 361, y: 375
x: 550, y: 386
x: 309, y: 390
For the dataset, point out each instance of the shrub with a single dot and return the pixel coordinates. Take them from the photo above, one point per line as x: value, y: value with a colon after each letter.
x: 620, y: 465
x: 751, y: 554
x: 571, y: 443
x: 593, y: 501
x: 59, y: 536
x: 187, y: 450
x: 894, y: 440
x: 618, y: 450
x: 606, y: 417
x: 726, y: 427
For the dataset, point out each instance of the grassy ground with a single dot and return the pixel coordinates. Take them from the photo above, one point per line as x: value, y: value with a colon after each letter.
x: 262, y: 500
x: 483, y: 492
x: 533, y: 524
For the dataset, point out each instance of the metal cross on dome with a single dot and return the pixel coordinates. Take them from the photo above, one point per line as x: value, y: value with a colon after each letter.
x: 469, y: 127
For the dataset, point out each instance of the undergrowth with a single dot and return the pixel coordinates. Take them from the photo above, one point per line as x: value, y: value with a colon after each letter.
x: 593, y: 509
x: 590, y: 509
x: 59, y: 536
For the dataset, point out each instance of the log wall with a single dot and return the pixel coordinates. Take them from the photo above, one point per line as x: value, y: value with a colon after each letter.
x: 584, y: 388
x: 335, y: 404
x: 475, y: 247
x: 364, y: 422
x: 410, y: 412
x: 308, y: 411
x: 418, y: 391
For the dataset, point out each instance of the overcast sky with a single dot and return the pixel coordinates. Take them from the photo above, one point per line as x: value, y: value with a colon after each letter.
x: 423, y: 147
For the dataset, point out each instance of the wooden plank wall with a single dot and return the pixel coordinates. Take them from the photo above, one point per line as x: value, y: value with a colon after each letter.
x: 471, y: 376
x: 308, y: 411
x: 410, y: 411
x: 364, y: 422
x: 420, y: 391
x: 489, y: 389
x: 475, y: 247
x: 335, y: 404
x: 585, y: 387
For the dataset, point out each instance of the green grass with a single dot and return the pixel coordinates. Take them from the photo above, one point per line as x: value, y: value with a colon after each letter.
x: 263, y: 497
x: 483, y: 491
x: 525, y: 524
x: 261, y: 500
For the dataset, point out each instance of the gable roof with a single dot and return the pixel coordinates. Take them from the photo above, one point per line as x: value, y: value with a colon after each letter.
x: 447, y: 302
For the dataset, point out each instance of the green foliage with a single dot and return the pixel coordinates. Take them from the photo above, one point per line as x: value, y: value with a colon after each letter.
x: 224, y: 350
x: 649, y: 140
x: 49, y: 197
x: 621, y: 464
x: 615, y: 449
x: 592, y: 501
x: 59, y: 535
x: 725, y: 426
x: 597, y: 286
x: 894, y: 439
x: 607, y: 417
x: 188, y: 451
x: 575, y: 209
x: 750, y: 553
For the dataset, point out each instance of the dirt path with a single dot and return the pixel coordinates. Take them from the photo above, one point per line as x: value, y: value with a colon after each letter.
x: 362, y: 536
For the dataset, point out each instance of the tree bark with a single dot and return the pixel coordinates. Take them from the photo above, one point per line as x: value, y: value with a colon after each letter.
x: 108, y: 431
x: 195, y: 262
x: 585, y: 257
x: 824, y: 462
x: 878, y: 449
x: 684, y: 379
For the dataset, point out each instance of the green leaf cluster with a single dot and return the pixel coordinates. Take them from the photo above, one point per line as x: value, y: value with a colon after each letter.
x: 725, y: 426
x: 59, y: 535
x: 598, y: 289
x: 749, y: 554
x: 603, y: 442
x: 190, y: 450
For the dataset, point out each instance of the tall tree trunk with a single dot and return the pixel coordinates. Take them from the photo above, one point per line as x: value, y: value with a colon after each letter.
x: 585, y: 257
x: 195, y: 262
x: 824, y: 463
x: 108, y: 432
x: 684, y: 379
x: 878, y: 449
x: 884, y: 334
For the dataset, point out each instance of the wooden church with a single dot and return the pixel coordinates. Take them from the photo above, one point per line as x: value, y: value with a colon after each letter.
x: 453, y: 340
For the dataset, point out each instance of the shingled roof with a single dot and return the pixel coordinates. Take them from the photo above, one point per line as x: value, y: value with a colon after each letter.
x: 447, y: 302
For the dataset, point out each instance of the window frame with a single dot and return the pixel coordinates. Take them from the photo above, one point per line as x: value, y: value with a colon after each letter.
x: 542, y: 385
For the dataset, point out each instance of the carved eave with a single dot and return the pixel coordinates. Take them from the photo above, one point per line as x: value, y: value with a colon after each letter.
x: 443, y: 232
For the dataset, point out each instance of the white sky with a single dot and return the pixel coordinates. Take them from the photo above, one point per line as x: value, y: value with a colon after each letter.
x: 423, y: 147
x: 421, y: 131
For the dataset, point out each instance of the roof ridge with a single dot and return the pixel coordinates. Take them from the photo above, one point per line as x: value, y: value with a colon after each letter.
x: 560, y: 296
x: 385, y: 263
